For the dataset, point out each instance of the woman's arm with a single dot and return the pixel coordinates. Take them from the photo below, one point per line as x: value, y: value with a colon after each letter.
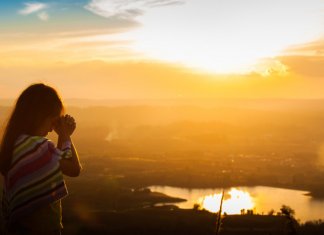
x: 70, y: 166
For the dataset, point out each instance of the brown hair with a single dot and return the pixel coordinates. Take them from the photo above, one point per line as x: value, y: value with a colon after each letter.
x: 34, y: 105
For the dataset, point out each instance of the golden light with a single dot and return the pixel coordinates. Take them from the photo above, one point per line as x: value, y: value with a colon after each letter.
x: 321, y: 155
x: 211, y: 202
x: 236, y: 201
x: 225, y: 36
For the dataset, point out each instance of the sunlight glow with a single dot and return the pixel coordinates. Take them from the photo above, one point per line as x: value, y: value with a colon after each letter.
x: 236, y: 201
x: 227, y: 36
x: 321, y: 155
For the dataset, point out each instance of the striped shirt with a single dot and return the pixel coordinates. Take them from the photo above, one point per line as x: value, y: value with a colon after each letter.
x: 34, y: 179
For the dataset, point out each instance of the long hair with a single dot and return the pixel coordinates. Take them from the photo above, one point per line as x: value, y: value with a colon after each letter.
x: 34, y: 105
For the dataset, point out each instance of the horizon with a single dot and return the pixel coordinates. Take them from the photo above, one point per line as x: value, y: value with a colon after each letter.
x: 203, y: 102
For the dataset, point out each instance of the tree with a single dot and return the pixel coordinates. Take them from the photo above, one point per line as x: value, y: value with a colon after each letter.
x: 196, y: 207
x: 292, y: 223
x: 287, y: 211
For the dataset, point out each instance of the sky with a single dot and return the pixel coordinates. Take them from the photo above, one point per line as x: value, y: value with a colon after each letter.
x: 153, y: 49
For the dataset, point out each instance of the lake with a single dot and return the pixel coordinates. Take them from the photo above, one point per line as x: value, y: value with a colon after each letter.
x: 260, y: 199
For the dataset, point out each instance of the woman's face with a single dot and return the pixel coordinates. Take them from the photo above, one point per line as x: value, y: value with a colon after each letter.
x: 53, y: 122
x: 48, y: 125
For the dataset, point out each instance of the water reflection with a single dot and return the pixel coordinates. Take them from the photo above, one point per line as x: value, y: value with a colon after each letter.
x: 259, y: 199
x: 235, y: 200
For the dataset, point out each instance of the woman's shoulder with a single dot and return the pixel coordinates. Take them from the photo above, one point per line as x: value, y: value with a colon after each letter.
x: 29, y: 147
x: 24, y: 138
x: 26, y: 141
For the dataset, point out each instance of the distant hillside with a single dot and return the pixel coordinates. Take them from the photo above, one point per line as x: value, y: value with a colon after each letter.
x: 242, y: 103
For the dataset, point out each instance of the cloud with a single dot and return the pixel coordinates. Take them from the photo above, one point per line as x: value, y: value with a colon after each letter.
x: 126, y: 9
x: 268, y: 67
x: 306, y: 66
x: 159, y: 3
x: 305, y: 59
x: 32, y: 7
x: 315, y: 48
x: 43, y: 16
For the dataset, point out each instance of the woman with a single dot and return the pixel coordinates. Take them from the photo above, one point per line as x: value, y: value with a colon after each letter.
x: 32, y: 166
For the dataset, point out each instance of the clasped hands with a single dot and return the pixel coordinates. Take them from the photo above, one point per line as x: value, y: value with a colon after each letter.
x: 65, y: 126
